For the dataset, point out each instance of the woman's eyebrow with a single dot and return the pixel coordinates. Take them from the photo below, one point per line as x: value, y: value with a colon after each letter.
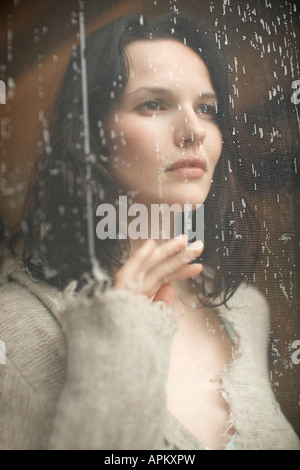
x: 208, y: 96
x: 153, y: 89
x: 161, y: 90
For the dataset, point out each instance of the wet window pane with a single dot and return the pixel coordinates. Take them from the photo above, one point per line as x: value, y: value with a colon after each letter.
x: 261, y: 41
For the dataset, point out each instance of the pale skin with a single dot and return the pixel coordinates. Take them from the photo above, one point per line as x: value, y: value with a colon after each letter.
x: 165, y: 113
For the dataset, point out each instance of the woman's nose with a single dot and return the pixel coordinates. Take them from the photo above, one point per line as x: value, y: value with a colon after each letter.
x: 189, y: 130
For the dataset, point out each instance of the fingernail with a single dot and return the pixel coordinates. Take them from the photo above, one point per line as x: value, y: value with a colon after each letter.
x: 182, y: 236
x: 197, y: 245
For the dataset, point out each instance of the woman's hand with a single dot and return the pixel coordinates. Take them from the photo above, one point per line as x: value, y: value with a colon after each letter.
x: 152, y: 269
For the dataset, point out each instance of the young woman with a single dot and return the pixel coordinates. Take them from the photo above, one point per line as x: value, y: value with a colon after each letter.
x: 164, y: 346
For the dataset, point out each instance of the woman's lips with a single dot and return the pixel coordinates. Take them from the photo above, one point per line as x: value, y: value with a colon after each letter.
x: 188, y: 172
x: 190, y: 166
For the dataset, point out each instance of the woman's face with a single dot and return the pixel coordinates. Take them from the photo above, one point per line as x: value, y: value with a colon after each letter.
x: 162, y: 136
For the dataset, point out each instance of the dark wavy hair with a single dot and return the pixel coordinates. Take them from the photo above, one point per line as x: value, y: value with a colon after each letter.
x: 54, y: 226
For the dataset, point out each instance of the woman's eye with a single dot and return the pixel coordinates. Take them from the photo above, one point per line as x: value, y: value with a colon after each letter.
x: 207, y: 109
x: 151, y: 105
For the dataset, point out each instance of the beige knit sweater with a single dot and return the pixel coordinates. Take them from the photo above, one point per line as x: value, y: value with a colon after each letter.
x: 90, y: 373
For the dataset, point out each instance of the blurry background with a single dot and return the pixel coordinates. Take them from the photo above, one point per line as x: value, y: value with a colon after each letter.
x: 261, y: 39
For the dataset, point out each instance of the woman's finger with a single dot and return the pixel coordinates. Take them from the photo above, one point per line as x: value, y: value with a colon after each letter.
x: 132, y: 268
x: 165, y: 269
x: 185, y: 272
x: 165, y: 294
x: 145, y: 258
x: 152, y: 266
x: 166, y: 251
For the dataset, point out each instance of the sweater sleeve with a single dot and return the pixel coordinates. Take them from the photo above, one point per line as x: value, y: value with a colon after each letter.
x: 33, y: 372
x: 117, y: 362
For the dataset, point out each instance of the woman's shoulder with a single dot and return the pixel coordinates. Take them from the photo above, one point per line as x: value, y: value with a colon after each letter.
x: 21, y: 292
x: 248, y: 300
x: 27, y: 315
x: 248, y: 305
x: 30, y: 300
x: 249, y: 297
x: 248, y: 312
x: 34, y: 342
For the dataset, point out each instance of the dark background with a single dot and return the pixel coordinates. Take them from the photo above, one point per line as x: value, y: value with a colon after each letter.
x: 261, y: 39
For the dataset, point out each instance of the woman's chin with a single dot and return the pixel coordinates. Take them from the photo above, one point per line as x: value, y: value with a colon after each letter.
x: 185, y: 202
